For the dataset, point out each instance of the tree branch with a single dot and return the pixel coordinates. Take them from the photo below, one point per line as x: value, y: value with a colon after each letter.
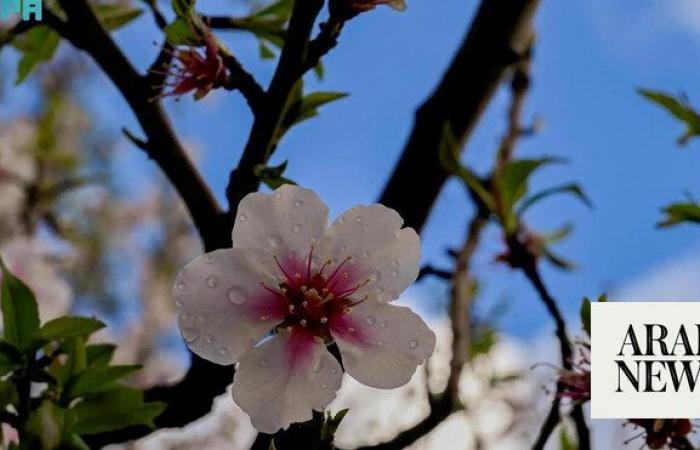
x: 496, y: 38
x: 268, y: 118
x: 85, y: 32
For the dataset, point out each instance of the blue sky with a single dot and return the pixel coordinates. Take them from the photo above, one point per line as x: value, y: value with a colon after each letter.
x: 590, y: 58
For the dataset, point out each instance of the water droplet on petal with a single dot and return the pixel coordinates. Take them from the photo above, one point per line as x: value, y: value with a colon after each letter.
x: 181, y: 286
x: 263, y: 363
x: 178, y: 303
x: 382, y: 324
x: 395, y: 263
x: 379, y: 290
x: 359, y: 219
x: 334, y: 371
x: 209, y: 339
x: 413, y: 343
x: 365, y: 255
x: 324, y: 385
x: 298, y: 203
x: 371, y: 320
x: 236, y: 296
x: 297, y: 227
x: 223, y: 351
x: 243, y: 217
x: 212, y: 281
x: 365, y: 227
x: 201, y: 318
x: 190, y: 335
x: 210, y: 258
x: 375, y: 276
x: 380, y: 343
x: 274, y: 241
x: 343, y: 248
x: 394, y: 274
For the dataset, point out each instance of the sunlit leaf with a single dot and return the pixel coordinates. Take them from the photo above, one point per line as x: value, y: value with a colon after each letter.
x: 97, y: 379
x: 115, y: 15
x: 20, y: 313
x: 38, y: 45
x: 679, y: 213
x: 679, y: 109
x: 569, y: 188
x: 68, y: 327
x: 113, y: 410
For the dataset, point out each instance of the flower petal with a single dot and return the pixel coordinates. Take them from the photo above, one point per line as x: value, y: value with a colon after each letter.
x: 381, y: 344
x: 282, y: 380
x: 381, y: 251
x: 223, y: 309
x: 289, y: 220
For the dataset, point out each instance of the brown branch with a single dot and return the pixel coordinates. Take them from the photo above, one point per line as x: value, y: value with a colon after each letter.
x: 290, y: 69
x: 494, y: 42
x: 84, y: 31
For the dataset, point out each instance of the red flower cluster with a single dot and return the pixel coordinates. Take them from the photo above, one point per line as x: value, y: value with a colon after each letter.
x: 197, y: 72
x: 663, y: 433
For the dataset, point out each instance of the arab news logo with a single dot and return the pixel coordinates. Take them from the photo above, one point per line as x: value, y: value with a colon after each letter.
x: 28, y: 8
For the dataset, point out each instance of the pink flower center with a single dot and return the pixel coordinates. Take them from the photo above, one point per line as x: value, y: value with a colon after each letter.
x: 315, y: 298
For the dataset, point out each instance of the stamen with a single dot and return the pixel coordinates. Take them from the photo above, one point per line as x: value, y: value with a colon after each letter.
x: 308, y: 263
x: 303, y: 288
x: 304, y: 322
x: 324, y: 319
x: 323, y: 267
x: 291, y: 308
x: 304, y: 303
x: 270, y: 290
x: 286, y: 275
x: 354, y: 289
x: 337, y: 269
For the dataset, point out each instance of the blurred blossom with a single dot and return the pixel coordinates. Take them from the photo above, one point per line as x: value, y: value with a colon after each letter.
x: 29, y: 261
x: 17, y: 170
x: 288, y: 272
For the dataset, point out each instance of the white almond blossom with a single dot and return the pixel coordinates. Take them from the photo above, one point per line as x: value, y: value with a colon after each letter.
x: 309, y: 284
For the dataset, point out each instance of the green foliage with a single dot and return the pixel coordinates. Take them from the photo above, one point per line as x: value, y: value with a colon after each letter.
x: 38, y: 45
x: 331, y: 424
x: 565, y: 442
x: 82, y: 393
x: 272, y: 176
x: 585, y: 312
x: 181, y: 32
x: 116, y: 15
x: 569, y: 188
x: 677, y: 213
x: 20, y: 313
x: 679, y: 109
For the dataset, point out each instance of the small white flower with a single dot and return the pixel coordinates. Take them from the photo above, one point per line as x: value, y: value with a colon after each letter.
x: 311, y: 284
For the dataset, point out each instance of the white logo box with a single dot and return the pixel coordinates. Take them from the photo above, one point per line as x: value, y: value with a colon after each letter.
x: 610, y: 322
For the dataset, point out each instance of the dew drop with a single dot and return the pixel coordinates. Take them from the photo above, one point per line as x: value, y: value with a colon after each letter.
x: 297, y: 228
x: 413, y: 343
x: 274, y: 241
x: 395, y: 263
x: 380, y: 343
x: 394, y: 274
x: 375, y: 276
x: 382, y: 324
x: 359, y: 219
x: 184, y: 317
x: 209, y: 339
x: 181, y: 286
x: 371, y: 320
x: 365, y: 227
x: 243, y: 217
x: 324, y: 385
x: 365, y: 255
x: 264, y: 363
x: 343, y: 248
x: 201, y: 318
x: 379, y: 290
x: 298, y: 203
x: 178, y: 303
x: 212, y: 281
x: 334, y: 371
x: 210, y: 259
x: 223, y: 351
x: 190, y: 335
x: 236, y: 296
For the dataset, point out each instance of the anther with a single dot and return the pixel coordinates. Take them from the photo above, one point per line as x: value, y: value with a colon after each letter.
x: 303, y: 288
x: 291, y: 308
x: 304, y: 322
x: 324, y: 319
x: 304, y: 303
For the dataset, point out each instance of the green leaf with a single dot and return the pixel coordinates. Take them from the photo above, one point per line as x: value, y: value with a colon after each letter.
x: 319, y: 70
x: 570, y: 188
x: 331, y: 424
x: 277, y: 10
x: 99, y: 355
x: 585, y: 314
x: 483, y: 342
x: 565, y: 442
x: 8, y: 394
x: 20, y: 313
x: 448, y: 153
x: 679, y: 109
x: 38, y: 45
x: 116, y: 15
x: 97, y: 379
x: 183, y: 8
x: 679, y: 213
x: 265, y: 51
x: 556, y: 260
x: 68, y: 327
x: 45, y: 426
x: 181, y: 32
x: 10, y: 358
x: 309, y: 105
x: 113, y: 410
x: 272, y: 175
